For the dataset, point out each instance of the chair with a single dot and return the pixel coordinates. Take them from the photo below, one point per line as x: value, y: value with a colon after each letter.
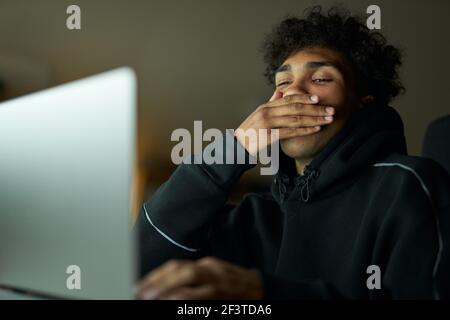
x: 436, y: 144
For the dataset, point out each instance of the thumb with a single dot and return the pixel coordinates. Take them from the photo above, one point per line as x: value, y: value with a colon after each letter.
x: 276, y: 95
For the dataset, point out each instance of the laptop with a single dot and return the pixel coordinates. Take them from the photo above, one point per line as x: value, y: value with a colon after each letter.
x: 66, y: 165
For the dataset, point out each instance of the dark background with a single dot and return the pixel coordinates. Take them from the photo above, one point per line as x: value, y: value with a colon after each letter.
x: 199, y: 60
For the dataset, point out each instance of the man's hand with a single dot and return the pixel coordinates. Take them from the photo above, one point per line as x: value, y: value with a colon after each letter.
x: 293, y: 115
x: 207, y: 278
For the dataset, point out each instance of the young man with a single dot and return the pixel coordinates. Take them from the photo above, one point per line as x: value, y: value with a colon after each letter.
x: 347, y: 205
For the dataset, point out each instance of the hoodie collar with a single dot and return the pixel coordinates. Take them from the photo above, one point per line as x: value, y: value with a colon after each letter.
x: 370, y: 134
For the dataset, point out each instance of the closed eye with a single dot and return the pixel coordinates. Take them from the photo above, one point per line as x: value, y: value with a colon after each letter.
x: 322, y: 80
x: 283, y: 83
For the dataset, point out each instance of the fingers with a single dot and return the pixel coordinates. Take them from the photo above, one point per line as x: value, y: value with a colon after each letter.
x: 207, y: 278
x: 172, y: 276
x: 187, y: 277
x: 292, y: 111
x: 299, y: 121
x: 167, y: 268
x: 298, y: 109
x: 295, y: 98
x: 287, y: 133
x: 295, y: 115
x: 205, y: 292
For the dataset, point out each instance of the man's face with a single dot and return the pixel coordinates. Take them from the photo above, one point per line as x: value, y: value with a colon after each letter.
x: 325, y: 73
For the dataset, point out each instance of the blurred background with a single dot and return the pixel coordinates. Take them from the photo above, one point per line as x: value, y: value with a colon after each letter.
x: 200, y: 60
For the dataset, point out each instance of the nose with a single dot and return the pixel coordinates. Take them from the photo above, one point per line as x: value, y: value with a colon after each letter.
x: 296, y: 87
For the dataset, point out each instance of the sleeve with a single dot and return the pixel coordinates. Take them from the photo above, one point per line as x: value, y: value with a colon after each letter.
x: 174, y: 223
x: 413, y: 249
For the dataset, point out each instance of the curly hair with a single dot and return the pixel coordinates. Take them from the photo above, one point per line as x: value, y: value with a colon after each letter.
x: 375, y: 64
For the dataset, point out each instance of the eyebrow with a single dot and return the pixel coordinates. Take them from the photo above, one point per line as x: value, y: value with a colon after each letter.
x: 284, y: 68
x: 319, y: 64
x: 308, y: 65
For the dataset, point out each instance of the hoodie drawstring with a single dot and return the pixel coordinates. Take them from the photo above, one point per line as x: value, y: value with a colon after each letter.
x: 305, y: 182
x: 282, y: 181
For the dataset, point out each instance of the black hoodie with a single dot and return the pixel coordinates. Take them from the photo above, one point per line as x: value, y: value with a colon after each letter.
x: 361, y: 202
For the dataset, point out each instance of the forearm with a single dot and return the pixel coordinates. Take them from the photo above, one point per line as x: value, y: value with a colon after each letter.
x: 174, y: 223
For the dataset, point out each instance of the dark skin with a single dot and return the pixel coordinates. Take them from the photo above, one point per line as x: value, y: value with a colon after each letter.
x: 325, y: 73
x: 315, y: 95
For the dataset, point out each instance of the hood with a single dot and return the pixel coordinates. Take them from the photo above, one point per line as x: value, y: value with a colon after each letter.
x: 369, y: 135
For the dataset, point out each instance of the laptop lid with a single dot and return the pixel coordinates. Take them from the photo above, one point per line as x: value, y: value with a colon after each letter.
x: 66, y: 163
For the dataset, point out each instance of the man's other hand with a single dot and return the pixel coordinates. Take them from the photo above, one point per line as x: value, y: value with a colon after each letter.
x: 207, y: 278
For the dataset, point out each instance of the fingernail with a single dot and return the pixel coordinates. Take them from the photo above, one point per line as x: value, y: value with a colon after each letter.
x: 314, y: 98
x: 317, y: 128
x: 330, y: 110
x: 149, y: 295
x: 328, y: 118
